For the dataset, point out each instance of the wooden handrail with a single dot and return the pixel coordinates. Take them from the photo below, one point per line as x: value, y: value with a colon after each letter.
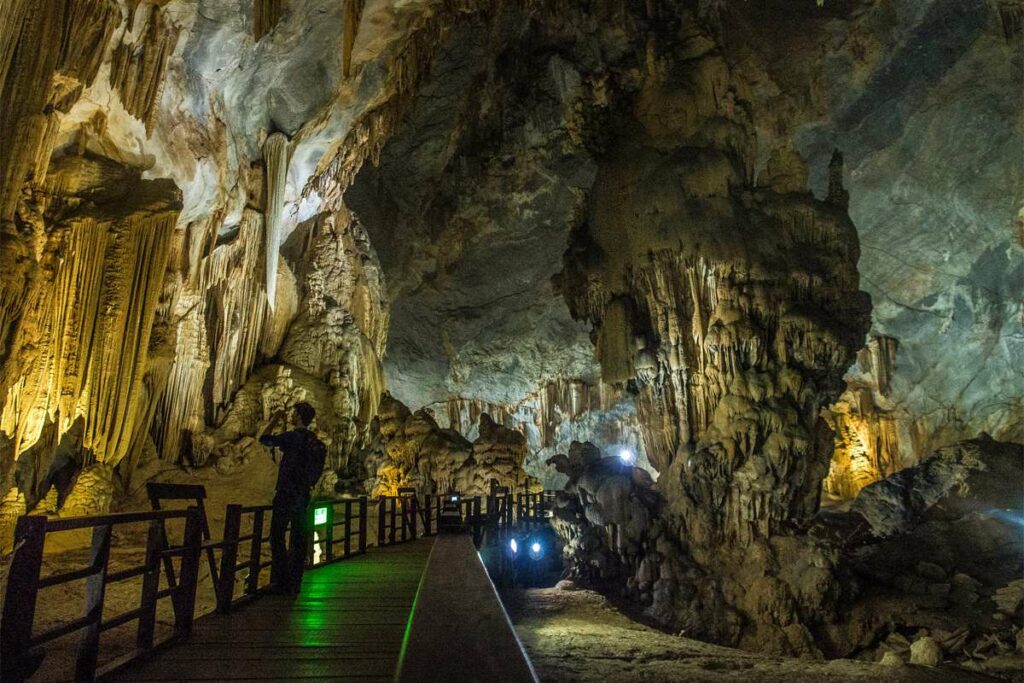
x: 352, y: 519
x: 399, y: 518
x: 18, y: 645
x: 87, y: 521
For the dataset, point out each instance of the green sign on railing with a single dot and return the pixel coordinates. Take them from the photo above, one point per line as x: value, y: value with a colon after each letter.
x: 320, y: 516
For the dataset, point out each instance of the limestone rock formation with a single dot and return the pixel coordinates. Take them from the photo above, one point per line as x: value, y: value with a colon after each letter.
x: 539, y: 225
x: 411, y: 450
x: 867, y: 442
x: 935, y: 199
x: 607, y: 508
x: 551, y: 419
x: 934, y: 549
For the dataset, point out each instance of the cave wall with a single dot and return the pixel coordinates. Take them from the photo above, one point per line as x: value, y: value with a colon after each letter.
x: 150, y: 175
x: 625, y: 222
x: 924, y: 100
x: 895, y: 86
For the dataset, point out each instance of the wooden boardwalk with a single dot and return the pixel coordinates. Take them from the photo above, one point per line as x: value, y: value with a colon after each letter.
x: 348, y: 624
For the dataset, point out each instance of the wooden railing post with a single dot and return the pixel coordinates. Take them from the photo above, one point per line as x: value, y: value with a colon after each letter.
x: 393, y: 518
x: 252, y: 583
x: 150, y: 587
x: 95, y: 589
x: 363, y: 513
x: 185, y: 597
x: 330, y: 532
x: 426, y: 514
x: 20, y: 599
x: 476, y: 521
x: 414, y: 504
x: 404, y: 501
x: 229, y: 558
x: 381, y: 511
x: 311, y: 545
x: 348, y: 527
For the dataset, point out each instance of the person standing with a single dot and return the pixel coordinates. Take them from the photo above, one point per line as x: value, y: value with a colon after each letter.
x: 302, y: 464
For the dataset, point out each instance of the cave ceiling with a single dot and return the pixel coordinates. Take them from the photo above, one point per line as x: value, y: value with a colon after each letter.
x: 463, y: 143
x: 470, y: 209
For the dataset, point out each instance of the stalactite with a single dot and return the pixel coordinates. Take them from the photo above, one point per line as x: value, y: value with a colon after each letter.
x: 559, y: 402
x: 407, y: 68
x: 265, y: 15
x: 25, y: 93
x: 181, y: 407
x: 837, y: 194
x: 90, y: 327
x: 47, y: 57
x: 353, y: 13
x: 10, y: 30
x: 1011, y: 15
x: 236, y: 310
x: 883, y: 361
x: 138, y: 66
x: 275, y: 156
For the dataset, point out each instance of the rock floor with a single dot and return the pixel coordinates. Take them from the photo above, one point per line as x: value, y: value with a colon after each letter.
x: 577, y: 635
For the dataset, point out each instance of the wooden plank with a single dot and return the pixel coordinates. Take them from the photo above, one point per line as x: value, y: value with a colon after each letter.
x: 229, y: 558
x: 87, y: 521
x: 348, y: 624
x: 204, y: 651
x: 267, y: 669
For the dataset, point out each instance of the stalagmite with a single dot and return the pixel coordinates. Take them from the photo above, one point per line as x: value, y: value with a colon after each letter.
x: 275, y: 156
x: 412, y: 450
x: 743, y: 341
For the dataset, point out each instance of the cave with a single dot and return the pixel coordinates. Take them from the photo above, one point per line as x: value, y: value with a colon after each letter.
x: 669, y: 340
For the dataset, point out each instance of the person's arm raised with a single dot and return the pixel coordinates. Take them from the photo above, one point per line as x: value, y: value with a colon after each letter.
x: 272, y: 422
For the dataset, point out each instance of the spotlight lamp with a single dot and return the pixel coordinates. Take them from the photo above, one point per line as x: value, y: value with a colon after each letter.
x: 536, y: 550
x: 513, y: 545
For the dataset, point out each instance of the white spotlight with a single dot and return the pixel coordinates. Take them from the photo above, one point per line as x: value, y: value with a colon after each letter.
x: 626, y: 456
x: 513, y: 546
x: 535, y: 547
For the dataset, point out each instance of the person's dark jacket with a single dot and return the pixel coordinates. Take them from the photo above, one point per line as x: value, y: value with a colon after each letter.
x: 301, y: 465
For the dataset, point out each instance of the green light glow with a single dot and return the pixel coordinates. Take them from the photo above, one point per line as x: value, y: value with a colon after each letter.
x: 319, y: 516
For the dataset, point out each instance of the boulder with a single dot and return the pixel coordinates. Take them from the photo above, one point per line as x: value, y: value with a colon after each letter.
x: 926, y: 652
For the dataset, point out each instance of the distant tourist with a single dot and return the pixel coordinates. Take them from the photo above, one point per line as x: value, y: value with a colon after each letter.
x: 301, y: 467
